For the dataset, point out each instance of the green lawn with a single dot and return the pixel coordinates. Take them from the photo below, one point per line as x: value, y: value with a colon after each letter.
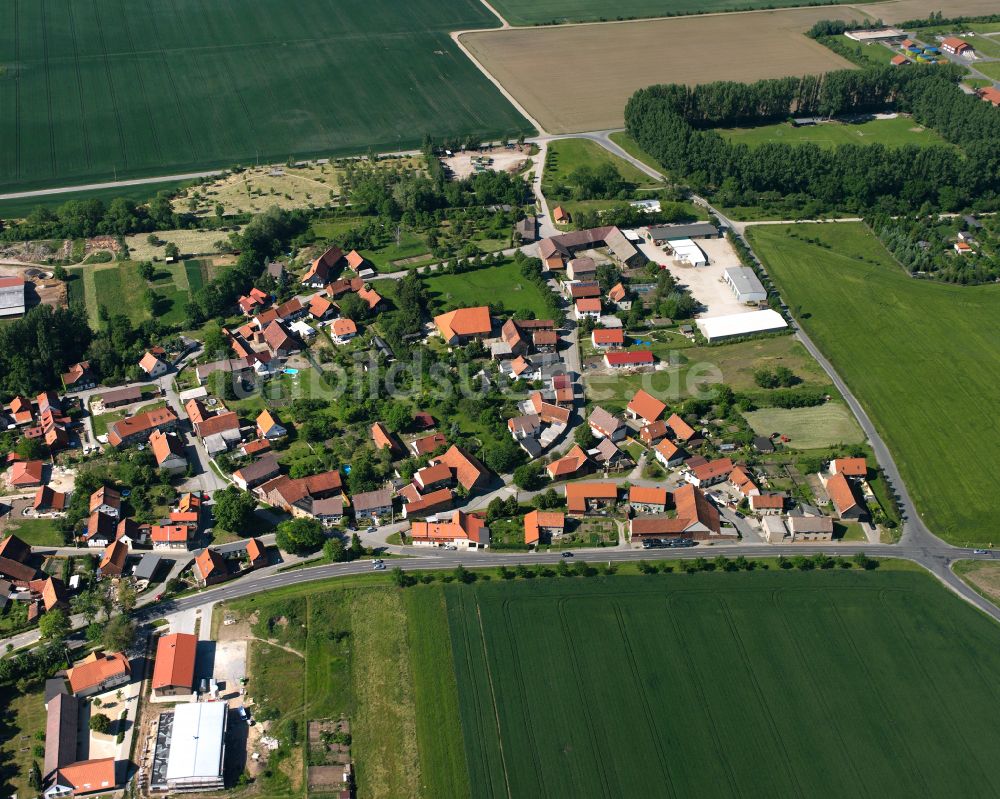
x: 696, y: 366
x: 989, y: 68
x: 891, y: 132
x: 809, y: 428
x: 629, y: 145
x: 565, y: 156
x: 920, y: 356
x: 38, y: 532
x: 766, y: 683
x: 92, y: 93
x: 499, y: 285
x: 546, y: 12
x: 120, y: 289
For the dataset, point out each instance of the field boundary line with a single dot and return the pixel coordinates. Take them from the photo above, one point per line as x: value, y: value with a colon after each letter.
x: 111, y: 83
x: 584, y: 704
x: 456, y: 37
x: 48, y: 87
x: 796, y: 7
x: 71, y: 17
x: 699, y: 688
x: 901, y: 739
x: 463, y: 617
x: 137, y: 66
x: 493, y: 699
x: 816, y: 691
x: 957, y: 730
x: 633, y: 667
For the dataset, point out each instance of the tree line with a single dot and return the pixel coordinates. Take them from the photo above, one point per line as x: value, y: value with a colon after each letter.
x: 673, y: 123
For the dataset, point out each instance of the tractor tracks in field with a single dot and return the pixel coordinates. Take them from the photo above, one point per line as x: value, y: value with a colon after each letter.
x: 71, y: 18
x: 654, y: 733
x: 111, y: 84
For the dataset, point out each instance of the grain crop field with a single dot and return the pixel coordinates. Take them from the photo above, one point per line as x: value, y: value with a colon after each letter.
x: 767, y: 683
x: 920, y: 356
x: 576, y: 78
x: 94, y: 90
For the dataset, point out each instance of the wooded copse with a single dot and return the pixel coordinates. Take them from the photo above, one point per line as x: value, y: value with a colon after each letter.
x: 673, y: 124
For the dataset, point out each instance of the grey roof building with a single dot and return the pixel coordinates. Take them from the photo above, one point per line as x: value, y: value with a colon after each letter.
x: 695, y: 230
x: 745, y: 284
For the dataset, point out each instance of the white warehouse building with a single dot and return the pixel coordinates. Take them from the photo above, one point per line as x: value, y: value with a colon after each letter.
x: 197, y: 747
x: 715, y: 328
x: 745, y: 284
x: 687, y: 251
x: 11, y: 296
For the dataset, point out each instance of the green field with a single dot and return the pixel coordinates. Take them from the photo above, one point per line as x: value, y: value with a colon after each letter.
x: 989, y: 68
x: 697, y: 367
x: 496, y: 285
x: 15, y: 209
x: 95, y: 91
x: 119, y: 287
x: 764, y: 683
x: 809, y: 428
x: 564, y: 156
x: 891, y: 132
x: 38, y: 532
x: 547, y: 12
x: 357, y: 662
x: 920, y: 356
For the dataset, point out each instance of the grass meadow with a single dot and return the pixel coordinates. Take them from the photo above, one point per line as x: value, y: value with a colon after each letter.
x: 96, y: 91
x: 118, y: 286
x: 809, y: 428
x: 920, y: 356
x: 354, y: 659
x: 764, y: 683
x: 499, y: 285
x: 897, y: 132
x: 564, y: 156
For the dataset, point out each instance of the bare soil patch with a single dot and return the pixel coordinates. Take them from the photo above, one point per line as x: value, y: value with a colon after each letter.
x: 497, y: 159
x: 578, y: 77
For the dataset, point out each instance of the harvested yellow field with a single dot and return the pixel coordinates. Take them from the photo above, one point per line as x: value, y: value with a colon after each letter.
x: 189, y: 242
x: 574, y: 78
x: 901, y: 10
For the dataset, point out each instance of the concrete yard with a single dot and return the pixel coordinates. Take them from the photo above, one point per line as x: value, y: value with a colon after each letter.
x: 704, y: 282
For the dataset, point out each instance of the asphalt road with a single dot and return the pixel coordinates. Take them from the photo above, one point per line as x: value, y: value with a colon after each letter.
x: 917, y: 543
x: 934, y: 558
